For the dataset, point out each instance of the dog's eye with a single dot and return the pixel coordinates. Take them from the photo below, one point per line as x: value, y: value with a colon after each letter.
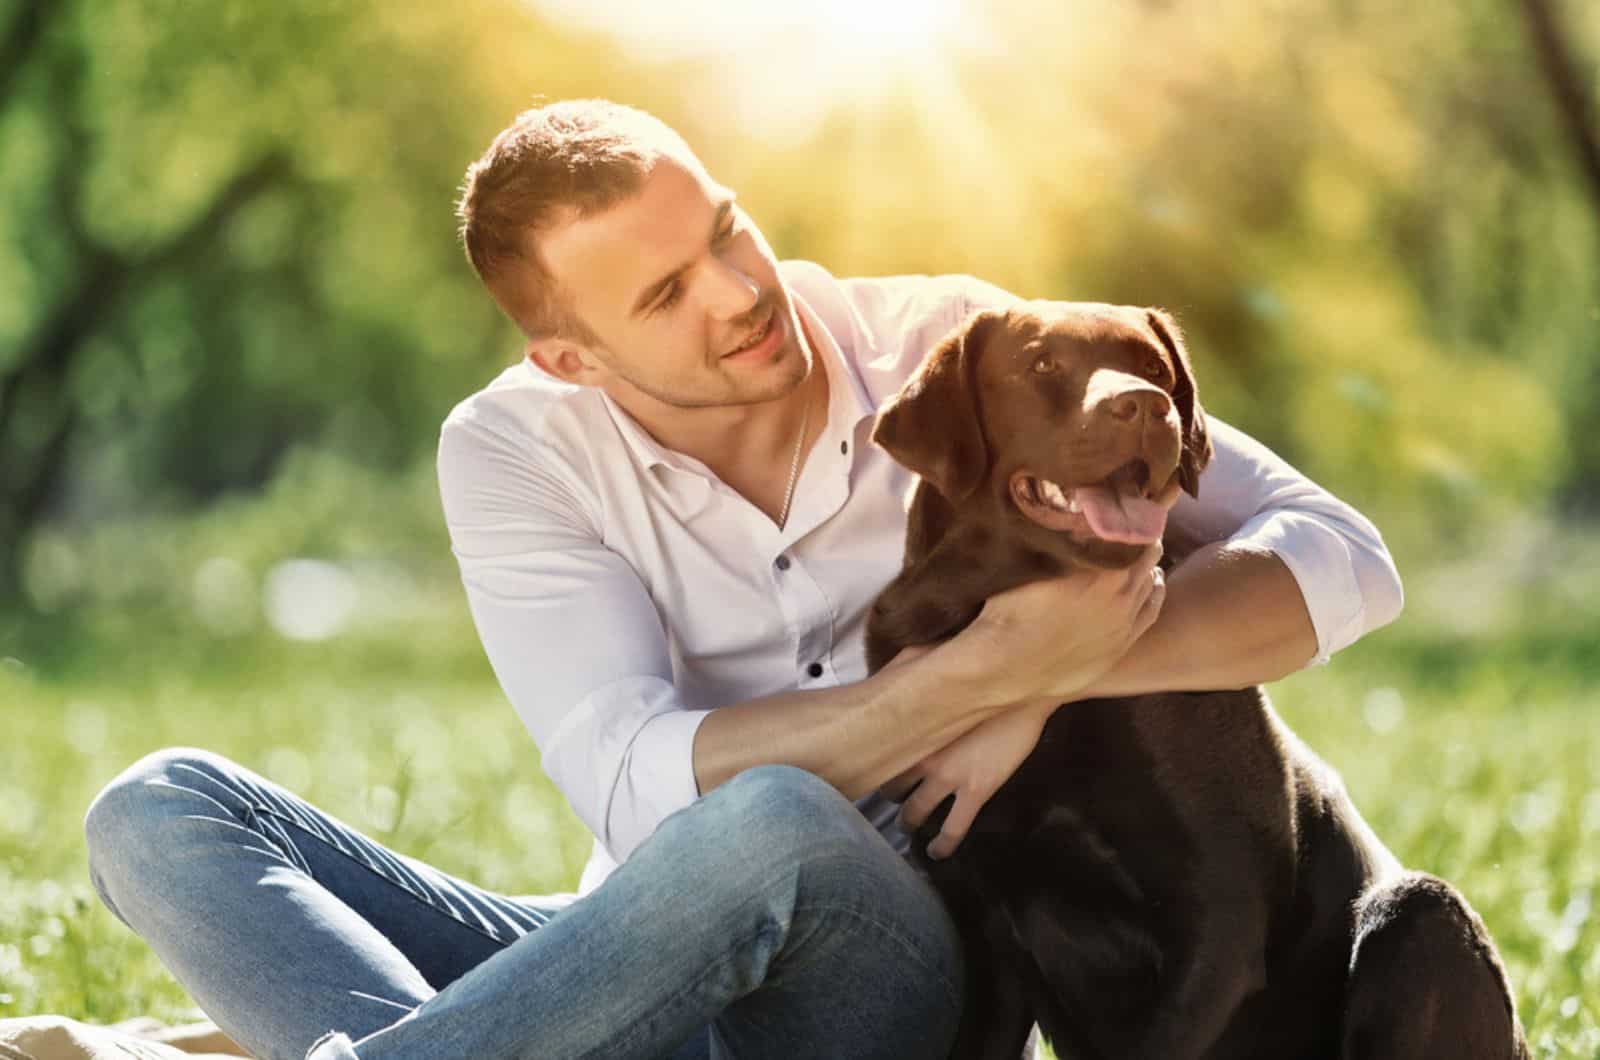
x: 1043, y: 364
x: 1154, y: 369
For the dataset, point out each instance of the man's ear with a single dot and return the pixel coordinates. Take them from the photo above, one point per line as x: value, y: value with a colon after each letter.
x: 932, y: 426
x: 1196, y: 440
x: 560, y: 359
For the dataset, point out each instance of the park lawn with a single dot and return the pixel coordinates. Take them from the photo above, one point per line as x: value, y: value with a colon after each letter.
x: 1474, y: 759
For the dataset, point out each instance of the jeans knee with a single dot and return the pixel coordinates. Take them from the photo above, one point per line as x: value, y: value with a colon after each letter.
x: 780, y: 781
x: 128, y: 810
x: 777, y: 815
x: 780, y: 798
x: 786, y: 839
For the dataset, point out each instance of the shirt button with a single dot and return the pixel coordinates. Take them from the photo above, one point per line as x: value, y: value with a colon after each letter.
x: 815, y: 669
x: 782, y: 562
x: 844, y: 447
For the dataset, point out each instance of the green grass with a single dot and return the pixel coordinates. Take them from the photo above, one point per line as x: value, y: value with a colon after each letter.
x: 1474, y: 755
x: 1473, y: 761
x: 1478, y: 761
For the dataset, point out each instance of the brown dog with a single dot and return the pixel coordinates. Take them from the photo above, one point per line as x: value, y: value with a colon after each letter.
x: 1167, y: 876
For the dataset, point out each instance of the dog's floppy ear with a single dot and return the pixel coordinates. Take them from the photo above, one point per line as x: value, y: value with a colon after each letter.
x: 932, y: 425
x: 1196, y: 441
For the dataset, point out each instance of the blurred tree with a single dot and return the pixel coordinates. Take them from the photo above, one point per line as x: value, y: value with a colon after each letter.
x: 1559, y: 65
x: 226, y: 229
x: 38, y: 415
x: 1557, y: 59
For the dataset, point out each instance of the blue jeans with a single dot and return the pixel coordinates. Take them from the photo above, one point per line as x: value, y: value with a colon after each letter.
x: 767, y: 919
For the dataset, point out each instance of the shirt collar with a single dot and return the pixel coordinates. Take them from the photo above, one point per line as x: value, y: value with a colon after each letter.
x: 645, y: 450
x: 848, y: 400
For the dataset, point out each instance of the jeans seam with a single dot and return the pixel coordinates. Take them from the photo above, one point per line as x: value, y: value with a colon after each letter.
x: 889, y: 930
x: 258, y: 810
x: 644, y: 1022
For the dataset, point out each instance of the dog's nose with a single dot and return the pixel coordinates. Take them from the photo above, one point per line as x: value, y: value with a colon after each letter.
x: 1141, y: 403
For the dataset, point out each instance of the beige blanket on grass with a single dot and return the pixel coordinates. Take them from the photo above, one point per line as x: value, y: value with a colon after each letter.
x: 58, y: 1038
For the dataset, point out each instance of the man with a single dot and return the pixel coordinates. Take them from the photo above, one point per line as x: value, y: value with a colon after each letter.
x: 670, y: 524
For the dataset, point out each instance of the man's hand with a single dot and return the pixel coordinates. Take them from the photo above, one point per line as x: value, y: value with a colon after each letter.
x: 1050, y: 639
x: 972, y: 768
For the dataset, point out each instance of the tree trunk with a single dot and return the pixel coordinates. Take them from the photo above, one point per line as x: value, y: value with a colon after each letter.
x: 37, y: 388
x: 1567, y: 89
x: 1580, y: 492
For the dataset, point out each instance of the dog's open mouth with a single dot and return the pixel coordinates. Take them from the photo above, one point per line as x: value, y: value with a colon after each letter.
x: 1121, y: 508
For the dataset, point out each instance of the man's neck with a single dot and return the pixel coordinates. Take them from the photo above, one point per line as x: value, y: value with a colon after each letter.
x: 750, y: 448
x: 749, y: 436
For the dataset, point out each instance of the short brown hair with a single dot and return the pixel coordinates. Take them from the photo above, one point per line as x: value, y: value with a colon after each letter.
x: 582, y: 156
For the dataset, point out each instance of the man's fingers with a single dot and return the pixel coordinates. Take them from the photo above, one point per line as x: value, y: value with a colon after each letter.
x: 898, y: 788
x: 920, y: 804
x: 956, y: 824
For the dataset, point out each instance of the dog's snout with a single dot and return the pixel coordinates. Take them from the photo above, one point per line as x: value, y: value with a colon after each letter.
x: 1141, y: 403
x: 1125, y: 399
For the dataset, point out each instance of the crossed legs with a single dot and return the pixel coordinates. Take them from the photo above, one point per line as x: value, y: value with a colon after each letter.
x: 767, y: 919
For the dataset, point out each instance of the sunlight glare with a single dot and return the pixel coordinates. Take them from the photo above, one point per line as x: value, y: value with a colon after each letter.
x: 783, y: 66
x: 886, y: 27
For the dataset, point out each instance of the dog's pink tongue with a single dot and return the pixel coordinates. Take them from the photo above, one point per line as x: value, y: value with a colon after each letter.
x: 1125, y: 517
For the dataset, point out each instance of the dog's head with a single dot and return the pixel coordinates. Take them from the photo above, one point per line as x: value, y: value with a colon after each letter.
x: 1083, y: 418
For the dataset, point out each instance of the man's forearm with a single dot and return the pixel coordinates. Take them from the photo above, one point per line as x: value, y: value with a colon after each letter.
x: 1023, y: 647
x: 855, y: 736
x: 1232, y: 618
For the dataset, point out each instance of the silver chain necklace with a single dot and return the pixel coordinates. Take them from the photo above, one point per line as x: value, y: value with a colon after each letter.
x: 794, y: 464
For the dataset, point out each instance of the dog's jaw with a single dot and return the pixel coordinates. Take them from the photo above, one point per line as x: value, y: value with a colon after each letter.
x: 1068, y: 535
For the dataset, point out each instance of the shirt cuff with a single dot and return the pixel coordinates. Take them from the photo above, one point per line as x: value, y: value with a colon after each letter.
x: 1323, y: 567
x: 624, y: 758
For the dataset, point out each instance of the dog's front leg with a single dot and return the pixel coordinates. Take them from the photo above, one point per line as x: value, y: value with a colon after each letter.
x: 996, y: 1018
x: 1226, y: 965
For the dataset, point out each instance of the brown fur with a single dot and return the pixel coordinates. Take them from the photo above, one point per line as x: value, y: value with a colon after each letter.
x: 1167, y: 876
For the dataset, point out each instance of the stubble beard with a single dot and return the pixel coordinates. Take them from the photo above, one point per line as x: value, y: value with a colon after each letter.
x: 797, y: 362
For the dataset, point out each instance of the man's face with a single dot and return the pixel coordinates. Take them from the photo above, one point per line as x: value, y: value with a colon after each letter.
x: 674, y: 282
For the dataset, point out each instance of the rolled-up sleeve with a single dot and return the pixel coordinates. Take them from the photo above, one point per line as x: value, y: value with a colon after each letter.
x: 570, y: 632
x: 1253, y: 498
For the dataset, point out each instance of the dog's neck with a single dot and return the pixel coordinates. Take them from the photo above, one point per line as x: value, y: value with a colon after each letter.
x: 1014, y: 549
x: 957, y: 556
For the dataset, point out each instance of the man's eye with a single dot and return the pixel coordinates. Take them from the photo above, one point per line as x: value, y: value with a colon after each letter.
x: 674, y: 292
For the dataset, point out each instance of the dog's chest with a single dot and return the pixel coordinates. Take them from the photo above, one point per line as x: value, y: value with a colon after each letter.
x: 1168, y: 784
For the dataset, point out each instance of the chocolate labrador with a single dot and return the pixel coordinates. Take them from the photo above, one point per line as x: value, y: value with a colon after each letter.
x: 1167, y: 876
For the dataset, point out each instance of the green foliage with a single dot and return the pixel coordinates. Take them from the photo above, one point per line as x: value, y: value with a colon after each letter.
x: 231, y: 233
x: 1365, y: 217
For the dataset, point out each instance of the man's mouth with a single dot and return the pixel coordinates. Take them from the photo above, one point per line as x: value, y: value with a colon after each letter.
x: 757, y: 337
x: 1125, y: 507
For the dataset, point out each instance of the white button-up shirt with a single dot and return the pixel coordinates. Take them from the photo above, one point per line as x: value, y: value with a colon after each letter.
x: 622, y: 591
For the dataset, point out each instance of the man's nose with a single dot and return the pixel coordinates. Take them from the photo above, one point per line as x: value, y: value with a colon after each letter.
x: 733, y: 291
